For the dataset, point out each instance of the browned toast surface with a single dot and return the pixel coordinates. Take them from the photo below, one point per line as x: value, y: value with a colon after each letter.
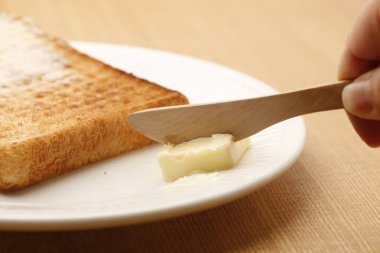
x: 61, y: 109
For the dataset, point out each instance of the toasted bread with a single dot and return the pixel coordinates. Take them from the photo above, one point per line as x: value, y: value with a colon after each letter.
x: 61, y: 109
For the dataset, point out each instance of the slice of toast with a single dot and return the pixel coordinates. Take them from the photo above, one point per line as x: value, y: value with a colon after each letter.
x: 61, y: 109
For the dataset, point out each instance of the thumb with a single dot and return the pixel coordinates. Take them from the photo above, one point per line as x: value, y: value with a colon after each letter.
x: 362, y: 97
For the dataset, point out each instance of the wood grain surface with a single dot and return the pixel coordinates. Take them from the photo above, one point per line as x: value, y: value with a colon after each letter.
x: 328, y: 201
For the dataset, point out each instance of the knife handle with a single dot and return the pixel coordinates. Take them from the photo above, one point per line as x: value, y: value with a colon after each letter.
x: 316, y: 99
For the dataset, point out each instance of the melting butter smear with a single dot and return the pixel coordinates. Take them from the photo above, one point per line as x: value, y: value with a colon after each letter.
x: 218, y: 152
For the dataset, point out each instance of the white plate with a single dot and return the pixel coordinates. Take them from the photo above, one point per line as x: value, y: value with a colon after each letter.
x: 129, y: 188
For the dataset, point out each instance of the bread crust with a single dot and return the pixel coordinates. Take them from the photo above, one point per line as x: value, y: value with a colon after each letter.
x: 52, y: 122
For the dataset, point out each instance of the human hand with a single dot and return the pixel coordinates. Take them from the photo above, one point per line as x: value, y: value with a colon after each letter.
x: 361, y: 99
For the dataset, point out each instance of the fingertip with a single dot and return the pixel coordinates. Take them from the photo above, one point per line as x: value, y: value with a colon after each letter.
x: 374, y: 144
x: 351, y: 66
x: 362, y: 52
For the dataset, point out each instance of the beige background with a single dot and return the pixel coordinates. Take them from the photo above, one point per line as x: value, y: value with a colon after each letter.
x: 329, y: 201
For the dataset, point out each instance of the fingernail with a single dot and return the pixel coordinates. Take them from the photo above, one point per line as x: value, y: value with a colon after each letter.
x: 356, y: 98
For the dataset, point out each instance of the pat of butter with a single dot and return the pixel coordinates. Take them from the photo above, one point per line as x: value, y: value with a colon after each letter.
x: 218, y: 152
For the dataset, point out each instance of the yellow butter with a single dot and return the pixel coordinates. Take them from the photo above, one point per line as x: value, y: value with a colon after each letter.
x: 218, y: 152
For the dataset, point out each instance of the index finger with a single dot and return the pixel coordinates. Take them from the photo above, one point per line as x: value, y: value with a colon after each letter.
x: 362, y: 52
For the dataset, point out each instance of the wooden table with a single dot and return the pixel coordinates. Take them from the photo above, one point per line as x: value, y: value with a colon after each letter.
x: 328, y: 201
